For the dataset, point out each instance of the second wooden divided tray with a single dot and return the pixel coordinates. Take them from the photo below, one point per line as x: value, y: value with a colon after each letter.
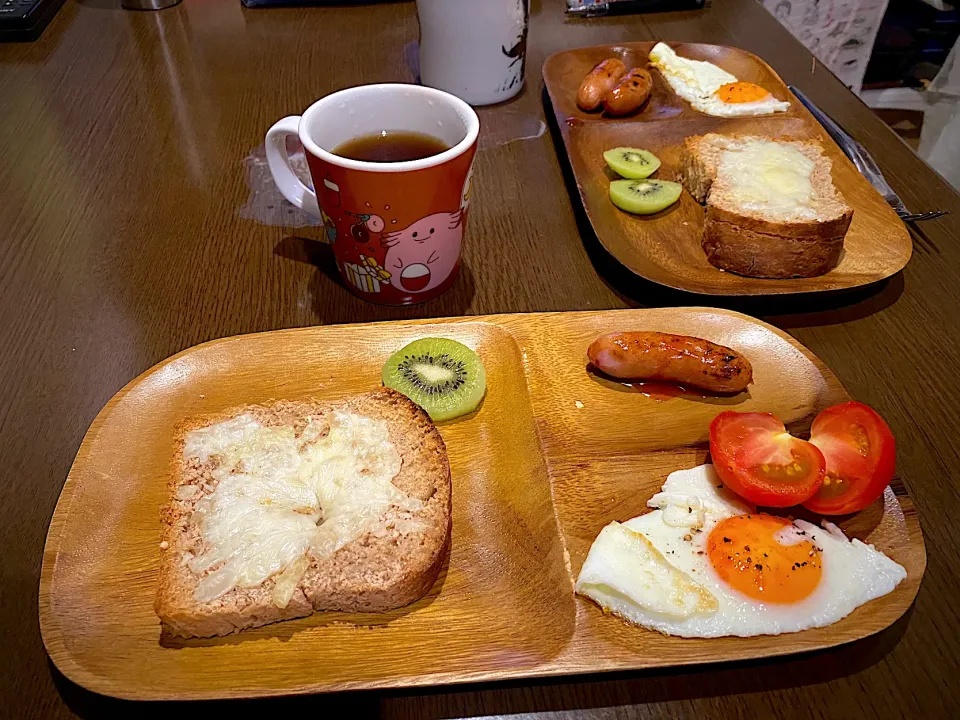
x: 665, y: 247
x: 552, y: 455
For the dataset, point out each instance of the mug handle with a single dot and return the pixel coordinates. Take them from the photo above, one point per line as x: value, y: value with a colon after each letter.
x: 279, y: 162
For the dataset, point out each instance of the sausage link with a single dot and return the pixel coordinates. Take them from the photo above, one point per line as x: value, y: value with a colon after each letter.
x: 598, y: 82
x: 629, y: 94
x: 688, y: 361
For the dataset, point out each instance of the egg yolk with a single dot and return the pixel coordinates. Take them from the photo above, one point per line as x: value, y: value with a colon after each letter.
x: 741, y: 92
x: 746, y: 555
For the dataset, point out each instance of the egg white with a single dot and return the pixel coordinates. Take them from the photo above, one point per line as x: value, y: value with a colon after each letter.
x: 852, y: 573
x: 697, y: 82
x: 690, y: 79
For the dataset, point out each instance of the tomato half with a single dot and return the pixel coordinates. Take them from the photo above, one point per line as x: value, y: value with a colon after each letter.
x: 758, y: 459
x: 861, y: 457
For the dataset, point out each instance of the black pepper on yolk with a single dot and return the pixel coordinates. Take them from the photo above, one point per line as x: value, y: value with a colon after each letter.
x: 746, y: 555
x: 741, y: 92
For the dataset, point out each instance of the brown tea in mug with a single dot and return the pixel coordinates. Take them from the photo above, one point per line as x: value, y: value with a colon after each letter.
x: 391, y: 146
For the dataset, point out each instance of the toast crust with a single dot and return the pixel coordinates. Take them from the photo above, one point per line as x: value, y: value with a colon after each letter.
x: 741, y: 250
x: 381, y: 570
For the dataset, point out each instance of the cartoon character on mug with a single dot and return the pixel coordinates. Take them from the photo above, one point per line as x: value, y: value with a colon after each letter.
x: 422, y: 255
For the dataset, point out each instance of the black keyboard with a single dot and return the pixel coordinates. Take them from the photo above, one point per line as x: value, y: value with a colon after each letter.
x: 26, y: 19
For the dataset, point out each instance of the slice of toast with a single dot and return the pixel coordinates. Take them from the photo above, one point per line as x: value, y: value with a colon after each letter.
x: 772, y: 208
x: 393, y: 562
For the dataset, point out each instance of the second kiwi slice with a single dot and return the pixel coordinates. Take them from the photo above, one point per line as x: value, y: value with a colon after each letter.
x: 444, y: 377
x: 632, y: 163
x: 644, y: 197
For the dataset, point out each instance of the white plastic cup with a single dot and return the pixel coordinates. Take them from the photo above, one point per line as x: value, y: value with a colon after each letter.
x: 474, y: 49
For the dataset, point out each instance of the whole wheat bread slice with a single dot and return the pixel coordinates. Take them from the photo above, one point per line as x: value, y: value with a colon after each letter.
x: 760, y: 243
x: 382, y: 569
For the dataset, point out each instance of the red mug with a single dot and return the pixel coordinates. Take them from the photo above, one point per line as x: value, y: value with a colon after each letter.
x: 396, y: 227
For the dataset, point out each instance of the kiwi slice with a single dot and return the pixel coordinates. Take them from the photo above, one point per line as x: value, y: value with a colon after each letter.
x: 644, y: 197
x: 444, y: 377
x: 632, y: 162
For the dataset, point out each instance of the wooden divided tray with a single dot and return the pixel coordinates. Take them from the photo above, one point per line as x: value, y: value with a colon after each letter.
x: 552, y: 455
x: 665, y: 247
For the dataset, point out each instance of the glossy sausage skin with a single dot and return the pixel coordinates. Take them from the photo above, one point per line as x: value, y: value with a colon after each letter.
x: 688, y: 361
x: 599, y: 82
x: 629, y: 94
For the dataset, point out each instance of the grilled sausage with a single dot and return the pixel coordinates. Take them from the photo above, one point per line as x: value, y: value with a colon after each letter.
x: 598, y: 82
x: 629, y: 94
x: 680, y: 359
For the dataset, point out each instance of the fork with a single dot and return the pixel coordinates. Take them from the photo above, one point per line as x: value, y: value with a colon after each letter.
x: 864, y: 162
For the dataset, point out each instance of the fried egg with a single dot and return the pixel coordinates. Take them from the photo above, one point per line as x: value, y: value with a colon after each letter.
x: 704, y: 563
x: 711, y: 90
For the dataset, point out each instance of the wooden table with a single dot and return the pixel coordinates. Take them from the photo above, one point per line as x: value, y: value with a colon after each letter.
x: 137, y: 221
